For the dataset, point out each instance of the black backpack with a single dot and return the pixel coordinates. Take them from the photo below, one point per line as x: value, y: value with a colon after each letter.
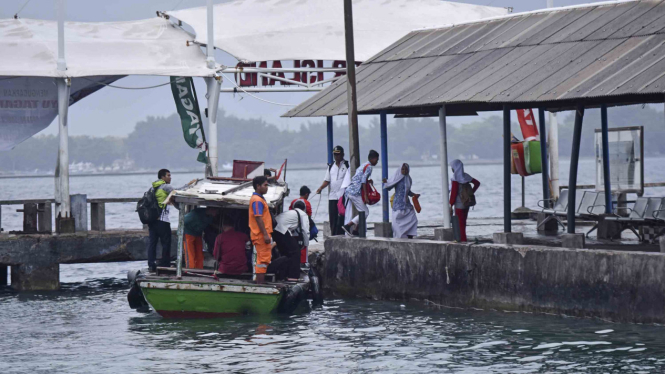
x: 148, y: 208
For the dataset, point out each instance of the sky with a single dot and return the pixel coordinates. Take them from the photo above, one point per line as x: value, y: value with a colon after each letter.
x: 115, y: 112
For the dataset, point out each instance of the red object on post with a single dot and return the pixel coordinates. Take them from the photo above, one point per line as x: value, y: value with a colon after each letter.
x: 527, y: 124
x: 517, y: 150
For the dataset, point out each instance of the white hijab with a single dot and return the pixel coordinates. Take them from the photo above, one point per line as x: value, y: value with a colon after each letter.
x: 398, y: 178
x: 459, y: 175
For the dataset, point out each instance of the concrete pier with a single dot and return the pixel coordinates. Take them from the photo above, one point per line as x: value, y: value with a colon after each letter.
x: 35, y: 259
x: 613, y: 285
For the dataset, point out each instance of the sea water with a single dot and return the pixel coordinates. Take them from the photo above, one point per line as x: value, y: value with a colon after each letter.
x: 87, y: 327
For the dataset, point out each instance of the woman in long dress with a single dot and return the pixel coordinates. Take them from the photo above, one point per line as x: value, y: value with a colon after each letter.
x: 405, y: 222
x: 460, y: 178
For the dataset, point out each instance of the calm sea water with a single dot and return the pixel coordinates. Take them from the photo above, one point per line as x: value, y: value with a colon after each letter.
x: 87, y: 327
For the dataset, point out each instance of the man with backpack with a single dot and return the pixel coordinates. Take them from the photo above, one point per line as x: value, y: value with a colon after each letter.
x: 462, y: 195
x: 336, y: 174
x: 153, y: 211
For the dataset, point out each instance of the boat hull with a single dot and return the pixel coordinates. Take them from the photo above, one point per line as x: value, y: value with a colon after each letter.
x: 200, y: 300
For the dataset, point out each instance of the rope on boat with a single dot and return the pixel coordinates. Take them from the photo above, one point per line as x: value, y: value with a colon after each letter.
x: 317, y: 207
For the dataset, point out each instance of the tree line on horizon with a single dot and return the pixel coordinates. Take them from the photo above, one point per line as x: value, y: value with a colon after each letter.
x: 157, y: 142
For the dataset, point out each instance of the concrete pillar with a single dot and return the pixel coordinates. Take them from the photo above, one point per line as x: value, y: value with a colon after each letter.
x: 326, y: 229
x: 97, y: 216
x: 383, y: 229
x: 608, y: 229
x: 444, y: 234
x: 3, y: 275
x: 509, y: 238
x: 44, y: 217
x: 29, y: 277
x: 575, y: 241
x: 551, y: 226
x: 79, y: 204
x: 661, y: 241
x: 29, y: 218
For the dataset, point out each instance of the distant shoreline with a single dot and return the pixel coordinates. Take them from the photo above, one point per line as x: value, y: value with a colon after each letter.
x: 290, y: 168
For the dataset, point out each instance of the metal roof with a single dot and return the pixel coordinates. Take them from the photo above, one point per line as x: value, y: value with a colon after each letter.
x: 611, y: 53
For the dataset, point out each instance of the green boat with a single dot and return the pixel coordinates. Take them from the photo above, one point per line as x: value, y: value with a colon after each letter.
x: 176, y: 292
x: 199, y: 294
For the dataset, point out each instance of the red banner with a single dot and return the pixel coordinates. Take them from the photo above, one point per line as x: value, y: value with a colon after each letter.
x: 527, y: 124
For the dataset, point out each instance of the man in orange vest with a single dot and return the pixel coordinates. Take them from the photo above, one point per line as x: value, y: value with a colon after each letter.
x: 260, y: 225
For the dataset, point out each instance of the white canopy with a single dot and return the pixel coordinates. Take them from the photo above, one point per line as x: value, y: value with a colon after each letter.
x: 261, y: 30
x: 146, y: 47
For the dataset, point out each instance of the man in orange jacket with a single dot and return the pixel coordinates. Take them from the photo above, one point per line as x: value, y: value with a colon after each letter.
x: 260, y: 225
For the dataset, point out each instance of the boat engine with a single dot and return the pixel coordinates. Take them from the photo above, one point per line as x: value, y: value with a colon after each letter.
x: 135, y: 296
x: 315, y: 289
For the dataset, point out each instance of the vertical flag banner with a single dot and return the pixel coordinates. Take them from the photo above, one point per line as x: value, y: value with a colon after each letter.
x: 190, y: 116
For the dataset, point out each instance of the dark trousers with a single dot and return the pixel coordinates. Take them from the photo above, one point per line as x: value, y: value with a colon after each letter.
x: 289, y: 248
x: 462, y: 215
x: 334, y: 218
x: 159, y: 231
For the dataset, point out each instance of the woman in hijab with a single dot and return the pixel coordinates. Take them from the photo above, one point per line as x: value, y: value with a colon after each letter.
x: 459, y: 178
x: 405, y: 222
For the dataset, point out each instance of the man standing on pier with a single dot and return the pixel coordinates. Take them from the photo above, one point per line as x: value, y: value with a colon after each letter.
x: 260, y: 225
x: 337, y: 172
x: 160, y: 230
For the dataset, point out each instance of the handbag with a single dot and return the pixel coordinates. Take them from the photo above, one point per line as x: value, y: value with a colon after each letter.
x: 341, y: 207
x: 370, y: 195
x: 416, y: 203
x: 313, y: 230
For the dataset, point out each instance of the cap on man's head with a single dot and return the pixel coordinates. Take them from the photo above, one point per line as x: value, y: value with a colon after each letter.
x: 338, y: 149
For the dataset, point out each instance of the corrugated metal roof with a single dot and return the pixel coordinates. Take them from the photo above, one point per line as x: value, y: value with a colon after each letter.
x: 610, y: 53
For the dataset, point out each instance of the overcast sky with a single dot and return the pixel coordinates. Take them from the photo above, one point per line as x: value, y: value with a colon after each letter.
x: 115, y: 112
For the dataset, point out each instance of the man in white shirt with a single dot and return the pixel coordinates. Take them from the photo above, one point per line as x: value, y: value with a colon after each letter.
x: 335, y: 176
x: 290, y: 225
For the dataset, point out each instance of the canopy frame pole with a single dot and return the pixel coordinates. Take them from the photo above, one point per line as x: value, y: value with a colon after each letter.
x: 210, y: 43
x: 606, y: 159
x: 354, y: 141
x: 553, y: 147
x: 506, y: 171
x: 61, y: 62
x: 444, y: 167
x: 214, y: 84
x: 181, y: 234
x: 384, y: 163
x: 543, y: 157
x: 574, y: 161
x: 62, y: 203
x: 329, y: 133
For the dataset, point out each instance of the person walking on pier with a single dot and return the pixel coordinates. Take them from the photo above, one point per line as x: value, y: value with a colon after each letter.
x: 337, y: 173
x: 355, y: 190
x: 405, y: 222
x: 260, y: 225
x: 160, y: 230
x: 462, y: 195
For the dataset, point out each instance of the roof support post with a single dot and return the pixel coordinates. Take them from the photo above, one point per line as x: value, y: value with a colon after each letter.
x: 210, y: 43
x: 553, y: 148
x: 506, y: 170
x: 62, y: 203
x: 214, y: 85
x: 329, y: 123
x: 354, y: 142
x: 543, y: 157
x: 61, y: 62
x: 444, y: 166
x: 574, y: 161
x: 384, y: 164
x: 606, y: 159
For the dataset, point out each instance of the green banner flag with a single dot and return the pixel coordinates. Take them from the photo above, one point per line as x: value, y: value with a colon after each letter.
x: 187, y: 104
